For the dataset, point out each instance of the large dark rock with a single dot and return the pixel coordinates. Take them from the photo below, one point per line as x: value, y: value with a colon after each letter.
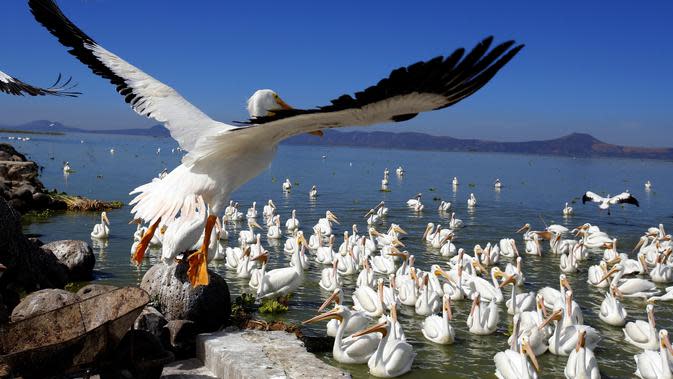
x: 153, y: 322
x: 76, y: 255
x: 28, y: 267
x: 182, y: 337
x: 42, y: 301
x: 208, y: 306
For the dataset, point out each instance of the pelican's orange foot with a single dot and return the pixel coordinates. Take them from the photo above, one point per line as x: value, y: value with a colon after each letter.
x: 144, y: 243
x: 198, y: 268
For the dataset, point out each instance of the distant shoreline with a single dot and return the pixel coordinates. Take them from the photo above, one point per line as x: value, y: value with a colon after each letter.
x: 30, y: 132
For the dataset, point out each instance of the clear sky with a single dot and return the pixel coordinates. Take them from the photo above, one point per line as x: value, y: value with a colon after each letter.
x: 605, y: 68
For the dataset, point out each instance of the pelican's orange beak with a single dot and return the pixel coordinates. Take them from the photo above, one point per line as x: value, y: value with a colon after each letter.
x: 334, y: 297
x: 380, y: 328
x: 325, y: 316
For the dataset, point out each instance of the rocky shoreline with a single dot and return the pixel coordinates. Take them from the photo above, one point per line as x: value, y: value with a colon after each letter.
x: 21, y: 187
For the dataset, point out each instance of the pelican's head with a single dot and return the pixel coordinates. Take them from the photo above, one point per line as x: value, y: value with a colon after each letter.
x: 265, y: 102
x: 104, y: 219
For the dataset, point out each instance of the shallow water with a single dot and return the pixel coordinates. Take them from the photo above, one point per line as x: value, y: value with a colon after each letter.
x: 535, y: 189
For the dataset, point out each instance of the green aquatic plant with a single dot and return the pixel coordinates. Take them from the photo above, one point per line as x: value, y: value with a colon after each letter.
x: 471, y: 185
x: 81, y: 203
x: 272, y: 306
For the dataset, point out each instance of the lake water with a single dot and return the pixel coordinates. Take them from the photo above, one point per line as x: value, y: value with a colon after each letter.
x: 348, y: 180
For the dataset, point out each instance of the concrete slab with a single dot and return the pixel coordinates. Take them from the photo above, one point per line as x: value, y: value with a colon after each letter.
x: 187, y: 369
x: 254, y: 354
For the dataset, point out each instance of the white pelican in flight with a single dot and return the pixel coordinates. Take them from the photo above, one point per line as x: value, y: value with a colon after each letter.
x: 606, y: 202
x: 14, y: 86
x: 222, y: 157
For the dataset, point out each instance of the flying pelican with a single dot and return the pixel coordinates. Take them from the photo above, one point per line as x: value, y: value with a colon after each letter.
x: 223, y: 157
x: 394, y: 356
x: 348, y: 350
x: 438, y: 329
x: 14, y: 86
x: 656, y: 364
x: 102, y: 230
x: 605, y: 202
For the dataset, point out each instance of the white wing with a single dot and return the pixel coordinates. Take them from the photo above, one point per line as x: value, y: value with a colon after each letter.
x: 14, y: 86
x: 146, y: 95
x: 591, y: 196
x: 408, y: 91
x: 624, y: 197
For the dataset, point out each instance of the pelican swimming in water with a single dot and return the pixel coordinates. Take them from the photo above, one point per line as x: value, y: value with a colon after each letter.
x: 399, y: 171
x: 633, y: 287
x: 414, y: 200
x: 369, y: 300
x: 643, y: 334
x: 355, y: 322
x: 517, y: 363
x: 656, y: 364
x: 483, y: 318
x: 281, y: 281
x: 252, y: 211
x: 292, y: 223
x: 353, y: 349
x: 325, y: 223
x: 454, y: 182
x: 438, y: 329
x: 497, y: 184
x: 394, y: 356
x: 581, y: 361
x: 455, y: 222
x: 444, y: 206
x: 274, y: 231
x: 472, y: 201
x: 66, y: 168
x: 612, y: 311
x: 287, y: 185
x: 566, y: 332
x: 330, y: 278
x: 567, y: 210
x: 269, y: 209
x: 102, y: 230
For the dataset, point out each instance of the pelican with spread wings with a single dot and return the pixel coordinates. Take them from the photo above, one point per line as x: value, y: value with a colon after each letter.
x: 222, y: 157
x: 14, y: 86
x: 606, y: 202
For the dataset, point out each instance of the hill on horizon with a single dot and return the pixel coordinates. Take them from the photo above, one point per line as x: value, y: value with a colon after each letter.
x: 571, y: 145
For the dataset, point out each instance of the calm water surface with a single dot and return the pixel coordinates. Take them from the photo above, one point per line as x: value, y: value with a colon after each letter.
x: 535, y: 189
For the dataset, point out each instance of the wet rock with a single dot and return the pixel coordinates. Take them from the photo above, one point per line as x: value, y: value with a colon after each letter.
x: 92, y: 290
x: 152, y: 321
x: 182, y: 337
x: 28, y: 267
x: 42, y: 301
x: 76, y: 255
x: 208, y: 306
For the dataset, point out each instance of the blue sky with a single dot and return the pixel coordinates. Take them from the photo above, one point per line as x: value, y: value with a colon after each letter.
x: 602, y: 68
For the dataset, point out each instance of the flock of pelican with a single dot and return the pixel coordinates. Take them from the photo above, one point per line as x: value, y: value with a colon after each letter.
x: 491, y: 278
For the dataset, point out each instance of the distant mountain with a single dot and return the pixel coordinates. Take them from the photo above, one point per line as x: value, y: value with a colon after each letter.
x: 53, y: 126
x: 572, y: 145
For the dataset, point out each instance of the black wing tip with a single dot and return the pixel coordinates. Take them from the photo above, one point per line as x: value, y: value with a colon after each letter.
x: 585, y: 198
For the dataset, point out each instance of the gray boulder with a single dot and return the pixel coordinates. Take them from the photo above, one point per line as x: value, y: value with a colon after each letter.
x: 42, y: 301
x: 152, y: 321
x: 76, y: 255
x: 209, y: 307
x: 92, y: 290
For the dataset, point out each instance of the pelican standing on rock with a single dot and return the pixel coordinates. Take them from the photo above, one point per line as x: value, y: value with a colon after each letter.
x: 221, y: 158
